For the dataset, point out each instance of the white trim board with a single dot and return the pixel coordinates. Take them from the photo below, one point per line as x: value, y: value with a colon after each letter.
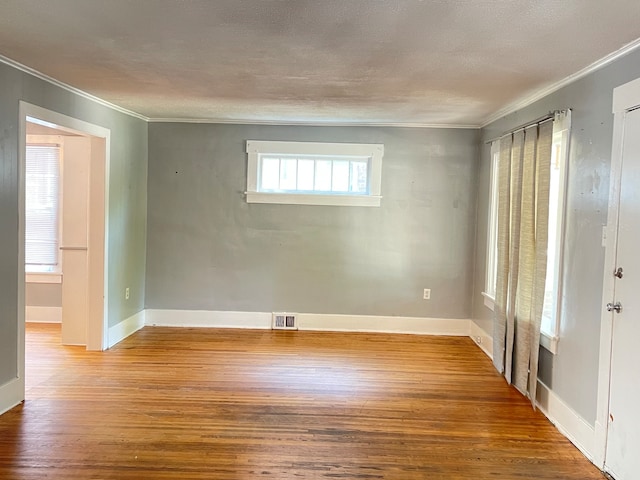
x: 11, y: 394
x: 383, y: 324
x: 481, y: 338
x: 43, y: 278
x: 34, y: 314
x: 207, y: 319
x: 127, y: 327
x: 310, y: 321
x: 567, y: 421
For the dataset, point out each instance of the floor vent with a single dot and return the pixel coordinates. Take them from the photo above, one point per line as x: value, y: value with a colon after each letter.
x: 284, y: 321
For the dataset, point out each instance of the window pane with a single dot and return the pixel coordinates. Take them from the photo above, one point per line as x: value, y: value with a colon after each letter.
x: 323, y: 176
x: 305, y: 174
x: 551, y: 285
x: 358, y: 177
x: 340, y: 176
x: 270, y: 178
x: 288, y: 173
x: 492, y: 250
x: 308, y: 173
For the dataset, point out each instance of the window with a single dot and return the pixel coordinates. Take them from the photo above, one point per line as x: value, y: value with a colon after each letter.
x: 492, y: 227
x: 314, y: 173
x: 42, y: 193
x: 557, y: 190
x: 557, y: 193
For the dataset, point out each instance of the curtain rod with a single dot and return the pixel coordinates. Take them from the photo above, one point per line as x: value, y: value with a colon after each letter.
x: 544, y: 118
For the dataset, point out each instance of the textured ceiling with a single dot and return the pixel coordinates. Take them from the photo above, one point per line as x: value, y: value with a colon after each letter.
x: 364, y: 61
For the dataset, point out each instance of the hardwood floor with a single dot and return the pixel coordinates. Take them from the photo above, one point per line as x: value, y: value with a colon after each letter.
x: 246, y: 404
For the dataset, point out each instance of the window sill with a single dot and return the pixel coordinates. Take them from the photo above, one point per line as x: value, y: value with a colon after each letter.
x: 306, y: 199
x: 43, y: 277
x: 547, y: 341
x: 489, y: 301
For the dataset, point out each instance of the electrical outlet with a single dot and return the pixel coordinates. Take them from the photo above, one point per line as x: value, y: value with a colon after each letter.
x: 126, y: 293
x: 427, y: 294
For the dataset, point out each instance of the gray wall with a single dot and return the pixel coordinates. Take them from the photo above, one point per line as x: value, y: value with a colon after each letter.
x: 127, y: 200
x: 208, y: 249
x: 573, y: 372
x: 43, y: 294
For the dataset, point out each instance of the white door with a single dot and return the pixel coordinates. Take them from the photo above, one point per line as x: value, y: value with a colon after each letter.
x: 623, y: 442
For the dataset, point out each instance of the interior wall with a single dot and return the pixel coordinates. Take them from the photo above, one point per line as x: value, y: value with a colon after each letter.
x: 127, y: 200
x: 43, y: 294
x: 210, y: 250
x: 573, y: 373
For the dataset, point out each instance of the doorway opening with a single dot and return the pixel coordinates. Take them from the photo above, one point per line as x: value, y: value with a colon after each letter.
x: 63, y: 222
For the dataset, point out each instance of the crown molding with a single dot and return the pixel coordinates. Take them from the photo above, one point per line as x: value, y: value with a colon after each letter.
x: 543, y: 92
x: 69, y: 88
x: 305, y: 123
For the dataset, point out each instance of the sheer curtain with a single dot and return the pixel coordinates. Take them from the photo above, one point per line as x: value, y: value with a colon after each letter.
x: 523, y: 212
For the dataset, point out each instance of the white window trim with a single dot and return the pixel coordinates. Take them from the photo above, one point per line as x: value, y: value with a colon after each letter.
x: 489, y: 301
x: 257, y: 147
x: 549, y: 342
x: 43, y: 277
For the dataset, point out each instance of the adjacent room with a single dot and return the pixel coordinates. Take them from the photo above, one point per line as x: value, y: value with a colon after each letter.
x: 340, y: 239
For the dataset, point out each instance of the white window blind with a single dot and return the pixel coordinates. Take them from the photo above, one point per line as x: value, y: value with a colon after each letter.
x: 42, y: 206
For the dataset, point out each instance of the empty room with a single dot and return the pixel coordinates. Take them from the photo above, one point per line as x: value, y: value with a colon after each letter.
x: 305, y: 239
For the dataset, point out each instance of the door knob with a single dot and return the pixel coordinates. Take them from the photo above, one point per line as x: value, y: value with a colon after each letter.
x: 614, y: 306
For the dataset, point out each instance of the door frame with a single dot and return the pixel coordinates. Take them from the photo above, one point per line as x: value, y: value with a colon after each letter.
x: 98, y: 259
x: 625, y: 98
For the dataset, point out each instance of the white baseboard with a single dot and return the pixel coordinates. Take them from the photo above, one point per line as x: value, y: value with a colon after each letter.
x: 11, y: 394
x: 383, y: 324
x: 122, y: 330
x: 567, y: 421
x: 310, y: 321
x: 482, y: 339
x: 43, y: 314
x: 207, y: 318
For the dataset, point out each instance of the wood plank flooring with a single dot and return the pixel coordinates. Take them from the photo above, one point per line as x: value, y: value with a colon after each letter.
x: 246, y: 404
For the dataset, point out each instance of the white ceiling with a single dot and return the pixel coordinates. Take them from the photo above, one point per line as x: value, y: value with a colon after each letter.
x: 445, y: 62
